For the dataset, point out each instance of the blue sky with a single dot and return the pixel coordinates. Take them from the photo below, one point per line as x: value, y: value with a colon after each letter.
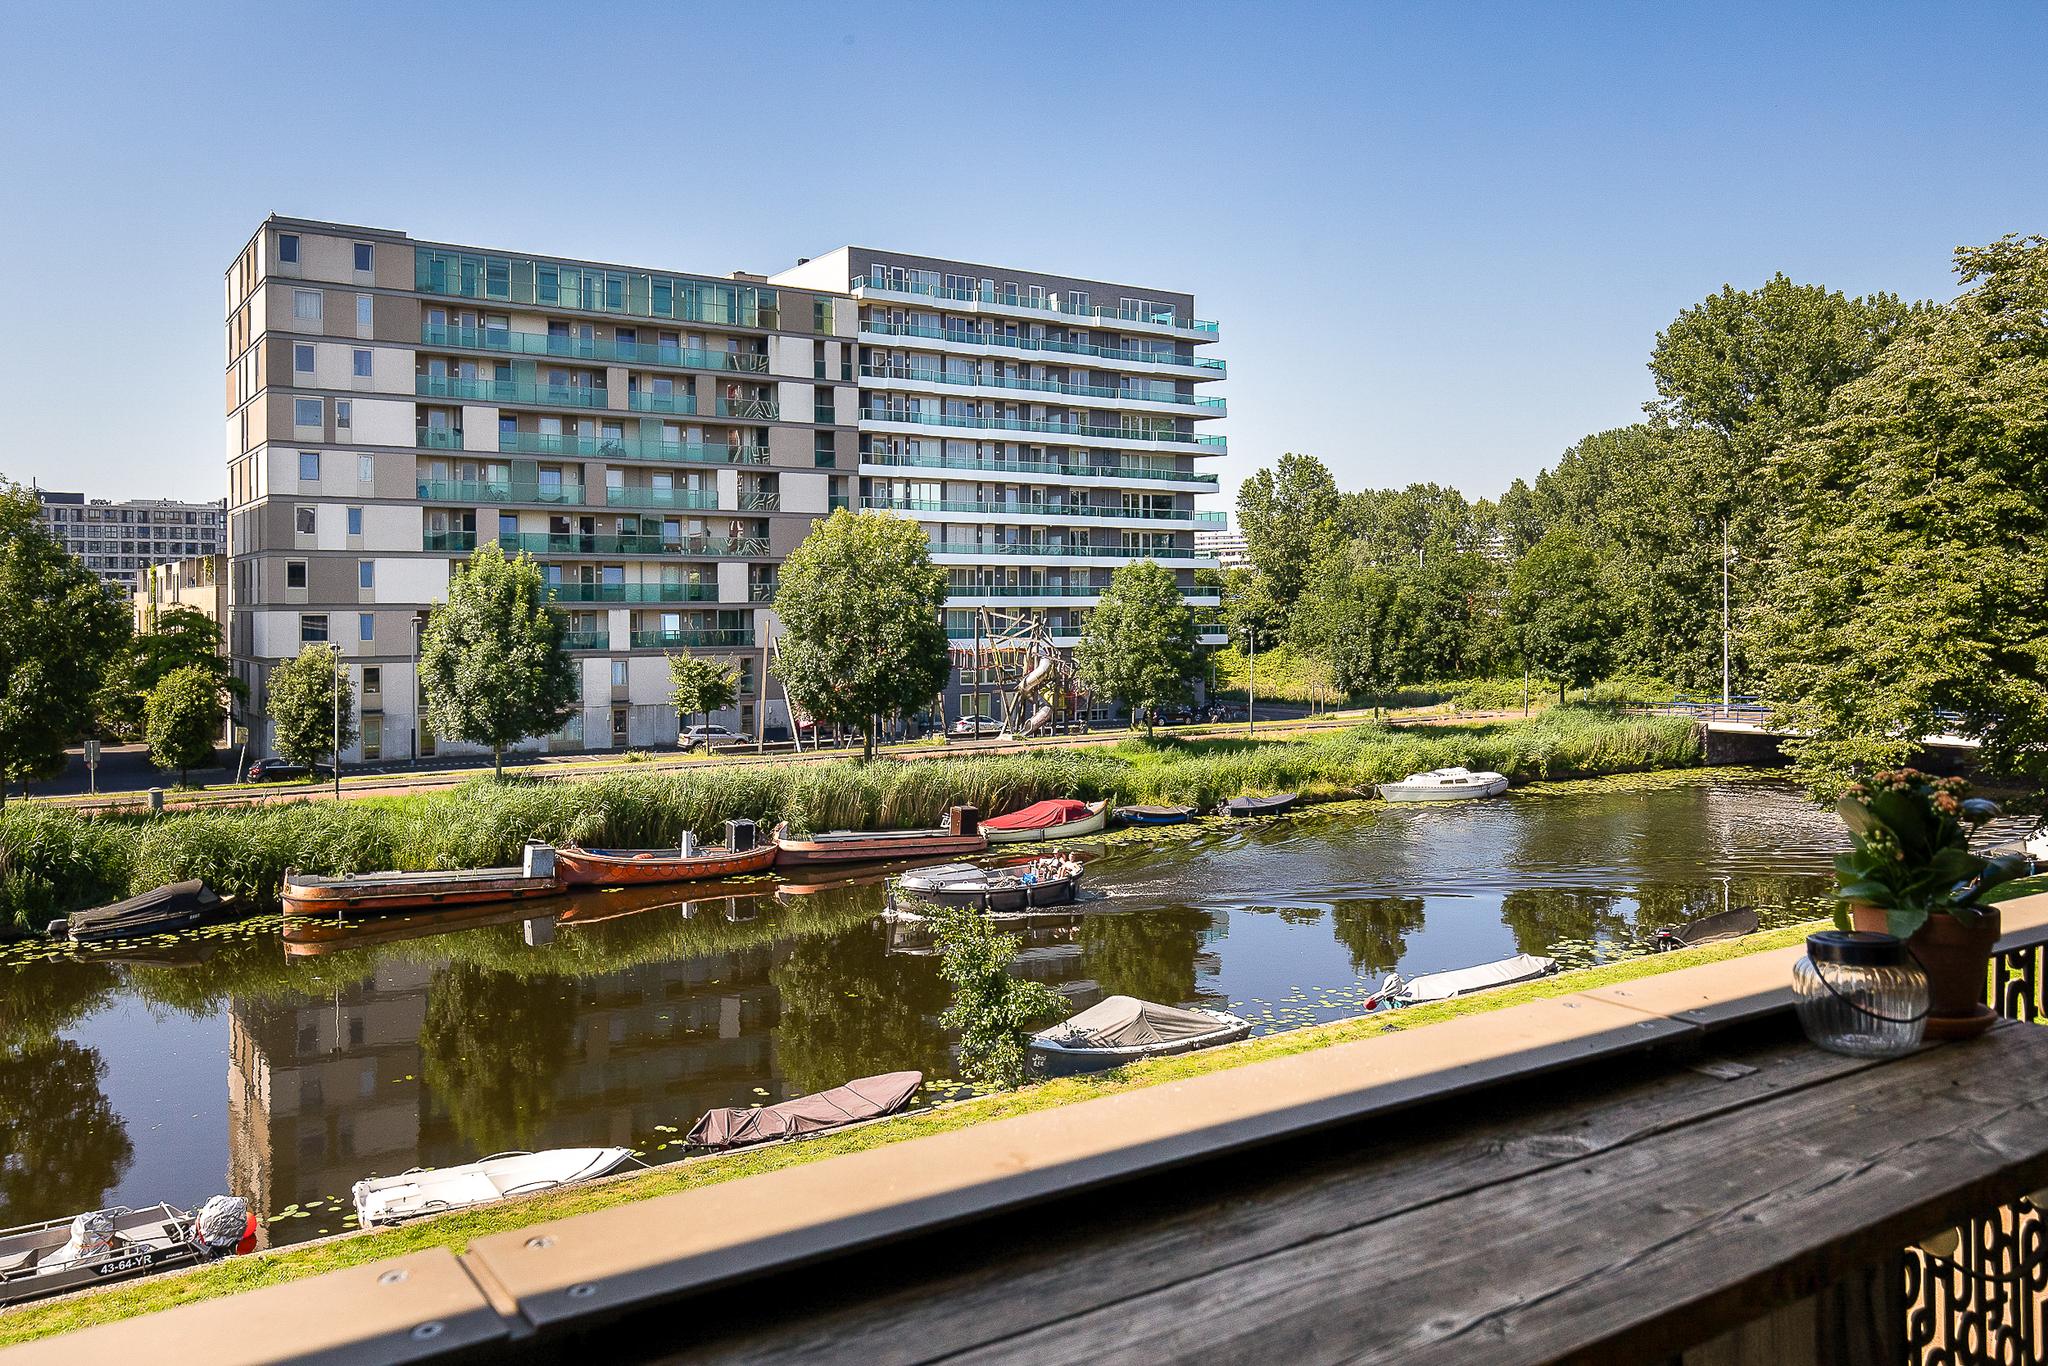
x: 1440, y: 240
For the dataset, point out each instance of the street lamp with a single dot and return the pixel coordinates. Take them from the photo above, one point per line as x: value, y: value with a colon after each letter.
x: 1727, y: 558
x: 335, y: 646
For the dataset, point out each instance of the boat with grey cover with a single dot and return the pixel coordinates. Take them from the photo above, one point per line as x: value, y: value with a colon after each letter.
x: 1123, y: 1029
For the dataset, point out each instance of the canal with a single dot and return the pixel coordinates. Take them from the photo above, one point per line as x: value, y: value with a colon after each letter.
x: 284, y: 1072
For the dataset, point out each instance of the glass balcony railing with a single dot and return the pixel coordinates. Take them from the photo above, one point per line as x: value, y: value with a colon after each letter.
x: 591, y: 349
x: 1047, y: 303
x: 839, y: 500
x: 1025, y: 590
x: 999, y: 510
x: 727, y: 638
x: 449, y: 542
x: 760, y: 500
x: 688, y: 499
x: 497, y: 491
x: 1020, y: 468
x: 1036, y: 550
x: 577, y: 543
x: 632, y: 448
x: 586, y: 640
x: 1216, y: 519
x: 750, y: 409
x: 761, y: 592
x: 510, y: 391
x: 633, y: 592
x: 647, y: 401
x: 438, y: 438
x: 1207, y: 407
x: 1042, y: 426
x: 963, y: 336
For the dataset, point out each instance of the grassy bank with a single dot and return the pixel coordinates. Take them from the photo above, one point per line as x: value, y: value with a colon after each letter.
x: 455, y: 1231
x: 53, y: 861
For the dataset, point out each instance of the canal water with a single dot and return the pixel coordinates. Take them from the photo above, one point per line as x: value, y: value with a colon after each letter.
x: 285, y: 1071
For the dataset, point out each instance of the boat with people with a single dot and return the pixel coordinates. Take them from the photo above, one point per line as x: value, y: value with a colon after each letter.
x: 856, y: 1102
x: 1015, y: 886
x: 119, y: 1244
x: 1397, y: 990
x: 1056, y: 819
x: 961, y: 835
x: 1155, y: 815
x: 743, y: 852
x: 1122, y: 1029
x: 436, y: 1190
x: 1250, y: 808
x: 1445, y: 785
x: 161, y: 910
x: 383, y: 893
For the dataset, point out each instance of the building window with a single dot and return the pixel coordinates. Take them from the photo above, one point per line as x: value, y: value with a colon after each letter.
x: 288, y: 248
x: 302, y: 360
x: 363, y: 314
x: 294, y: 573
x: 302, y: 519
x: 618, y: 673
x: 373, y: 682
x: 362, y: 363
x: 306, y: 412
x: 821, y: 315
x: 344, y: 414
x: 373, y: 730
x: 366, y: 573
x: 309, y: 466
x: 825, y: 450
x: 355, y: 521
x: 366, y: 468
x: 365, y: 256
x: 306, y: 305
x: 366, y: 625
x: 313, y: 628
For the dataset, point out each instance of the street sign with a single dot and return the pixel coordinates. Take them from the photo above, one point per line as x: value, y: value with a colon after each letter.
x: 92, y: 754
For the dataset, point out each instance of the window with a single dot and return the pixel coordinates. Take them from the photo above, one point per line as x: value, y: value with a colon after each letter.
x: 302, y: 360
x: 826, y: 452
x: 309, y: 465
x: 366, y: 573
x: 303, y: 519
x: 313, y: 628
x: 618, y: 673
x: 366, y: 468
x: 306, y: 305
x: 373, y: 681
x: 344, y: 414
x: 288, y: 248
x: 373, y: 729
x: 306, y: 412
x: 362, y: 359
x: 366, y: 625
x: 363, y: 313
x: 821, y: 315
x: 365, y: 255
x: 294, y: 573
x: 355, y: 524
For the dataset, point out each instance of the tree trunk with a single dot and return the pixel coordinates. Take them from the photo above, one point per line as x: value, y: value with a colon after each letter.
x: 867, y: 741
x: 497, y: 763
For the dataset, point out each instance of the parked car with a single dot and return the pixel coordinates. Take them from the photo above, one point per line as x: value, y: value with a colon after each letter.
x: 708, y: 737
x: 968, y: 727
x: 264, y: 770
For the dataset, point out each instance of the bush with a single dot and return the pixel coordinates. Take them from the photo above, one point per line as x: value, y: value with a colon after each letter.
x: 53, y: 862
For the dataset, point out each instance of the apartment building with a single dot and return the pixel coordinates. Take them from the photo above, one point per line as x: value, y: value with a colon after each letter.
x: 1228, y: 547
x: 119, y: 540
x: 199, y: 583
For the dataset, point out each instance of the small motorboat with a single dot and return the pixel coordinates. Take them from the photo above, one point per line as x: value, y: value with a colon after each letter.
x: 1155, y: 815
x: 741, y: 854
x: 382, y: 893
x: 433, y: 1190
x: 960, y: 835
x: 1707, y: 930
x: 162, y: 910
x: 1445, y: 785
x: 119, y: 1244
x: 853, y: 1103
x: 1123, y: 1029
x: 1057, y: 819
x: 1397, y: 990
x: 1248, y: 808
x: 1014, y: 886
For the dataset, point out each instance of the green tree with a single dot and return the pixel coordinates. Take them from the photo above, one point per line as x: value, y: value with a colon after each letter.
x: 1138, y: 646
x: 1291, y: 516
x: 303, y: 706
x: 1561, y: 611
x: 862, y: 611
x: 993, y: 1011
x: 58, y: 632
x: 180, y: 638
x: 699, y: 687
x: 183, y: 719
x: 1251, y: 612
x: 1359, y: 621
x: 492, y: 666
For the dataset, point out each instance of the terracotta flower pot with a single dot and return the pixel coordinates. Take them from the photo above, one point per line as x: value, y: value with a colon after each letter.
x: 1957, y: 958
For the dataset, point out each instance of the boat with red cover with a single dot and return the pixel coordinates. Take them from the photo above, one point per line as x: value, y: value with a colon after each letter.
x: 959, y: 836
x: 741, y: 854
x: 1057, y: 819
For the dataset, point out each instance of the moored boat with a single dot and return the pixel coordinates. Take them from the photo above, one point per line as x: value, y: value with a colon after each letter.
x: 1711, y: 929
x: 854, y: 1103
x: 161, y: 910
x: 434, y: 1190
x: 742, y: 853
x: 381, y: 893
x: 1155, y: 815
x: 1014, y: 886
x: 960, y: 835
x: 1057, y: 819
x: 1445, y: 785
x: 1123, y: 1029
x: 1397, y: 990
x: 118, y: 1244
x: 1247, y: 808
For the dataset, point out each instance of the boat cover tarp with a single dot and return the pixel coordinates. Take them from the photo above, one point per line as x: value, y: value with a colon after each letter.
x: 1251, y: 806
x: 169, y: 907
x: 1441, y: 986
x: 1155, y: 813
x: 867, y: 1098
x: 1041, y: 815
x: 1127, y: 1022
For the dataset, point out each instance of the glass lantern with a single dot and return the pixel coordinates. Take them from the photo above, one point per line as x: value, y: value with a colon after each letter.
x: 1860, y: 994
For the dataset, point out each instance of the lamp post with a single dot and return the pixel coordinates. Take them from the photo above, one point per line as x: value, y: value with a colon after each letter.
x: 335, y: 646
x: 1727, y: 558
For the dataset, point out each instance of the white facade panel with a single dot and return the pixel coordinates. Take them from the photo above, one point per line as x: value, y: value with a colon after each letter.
x: 384, y: 422
x: 647, y: 680
x: 415, y: 580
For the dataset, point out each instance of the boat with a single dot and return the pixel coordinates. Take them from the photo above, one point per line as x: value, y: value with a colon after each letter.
x: 1014, y: 886
x: 1445, y: 785
x: 1123, y: 1029
x: 382, y: 893
x: 1707, y: 930
x: 162, y: 910
x: 1397, y: 990
x: 119, y: 1244
x: 1057, y: 819
x: 959, y: 836
x: 433, y: 1190
x: 741, y: 854
x: 1155, y: 815
x: 854, y: 1103
x: 1246, y: 808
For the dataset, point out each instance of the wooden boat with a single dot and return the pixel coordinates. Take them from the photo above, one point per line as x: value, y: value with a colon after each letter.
x: 854, y: 1103
x: 118, y: 1244
x: 740, y: 855
x: 1057, y: 819
x: 1246, y: 808
x: 382, y: 893
x: 1156, y: 815
x: 1125, y: 1029
x: 961, y: 835
x: 162, y: 910
x: 433, y: 1190
x: 1014, y: 886
x: 1445, y: 785
x: 1397, y: 990
x: 1706, y: 930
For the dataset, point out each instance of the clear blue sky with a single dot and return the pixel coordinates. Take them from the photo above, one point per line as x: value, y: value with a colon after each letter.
x: 1440, y: 240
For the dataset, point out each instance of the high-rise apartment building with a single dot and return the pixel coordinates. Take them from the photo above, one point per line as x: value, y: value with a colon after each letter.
x: 1227, y: 546
x: 119, y: 540
x: 660, y: 440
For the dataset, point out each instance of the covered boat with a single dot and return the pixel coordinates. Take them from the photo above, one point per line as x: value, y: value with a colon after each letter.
x: 432, y: 1190
x: 1006, y: 887
x: 1124, y: 1029
x: 1445, y: 785
x: 1397, y: 990
x: 1245, y: 808
x: 177, y: 906
x: 1706, y: 930
x: 742, y: 853
x: 382, y: 893
x: 1155, y: 815
x: 118, y: 1244
x: 1057, y: 819
x: 865, y: 1099
x: 961, y: 835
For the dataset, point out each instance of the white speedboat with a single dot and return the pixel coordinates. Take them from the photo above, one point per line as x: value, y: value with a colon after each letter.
x: 1445, y: 785
x: 1442, y: 986
x: 434, y: 1190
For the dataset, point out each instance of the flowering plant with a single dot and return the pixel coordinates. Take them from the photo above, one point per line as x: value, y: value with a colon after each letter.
x: 1912, y: 856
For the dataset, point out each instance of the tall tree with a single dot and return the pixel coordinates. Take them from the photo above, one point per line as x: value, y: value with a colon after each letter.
x: 492, y: 665
x: 1358, y: 620
x: 58, y: 632
x: 1138, y: 646
x: 1561, y: 609
x: 862, y: 611
x: 179, y: 638
x: 699, y: 687
x: 183, y: 718
x: 1252, y: 615
x: 992, y: 1010
x: 1290, y: 515
x: 304, y: 708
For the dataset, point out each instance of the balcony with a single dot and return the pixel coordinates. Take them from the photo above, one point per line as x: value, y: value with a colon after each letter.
x: 510, y: 391
x: 1204, y: 407
x: 575, y: 348
x: 438, y: 438
x: 960, y: 336
x: 576, y: 543
x: 838, y: 500
x: 631, y: 448
x: 981, y: 295
x: 633, y: 592
x: 1219, y: 520
x: 760, y: 500
x: 1078, y: 430
x: 728, y: 638
x: 685, y: 499
x: 1059, y: 469
x: 586, y: 640
x: 644, y: 401
x: 1001, y: 510
x: 1074, y: 551
x: 448, y: 542
x: 490, y: 491
x: 750, y: 409
x: 761, y: 592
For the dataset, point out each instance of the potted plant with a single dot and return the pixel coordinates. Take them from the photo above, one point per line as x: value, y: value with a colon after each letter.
x: 1912, y: 874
